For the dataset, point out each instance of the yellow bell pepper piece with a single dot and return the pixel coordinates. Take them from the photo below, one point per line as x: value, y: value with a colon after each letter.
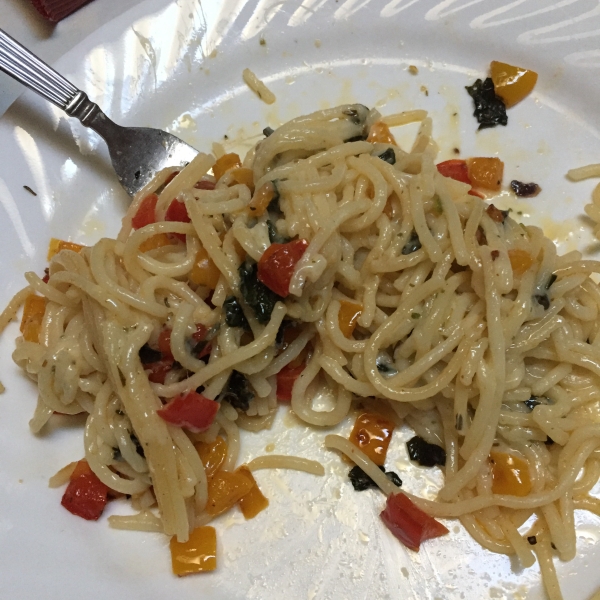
x: 254, y: 501
x: 33, y: 315
x: 212, y: 455
x: 226, y: 163
x: 520, y: 260
x: 55, y: 246
x: 197, y: 555
x: 510, y: 474
x: 244, y: 176
x: 156, y: 241
x: 381, y: 133
x: 204, y: 271
x: 348, y: 317
x: 372, y: 434
x: 261, y: 199
x: 512, y: 83
x: 486, y: 173
x: 224, y: 490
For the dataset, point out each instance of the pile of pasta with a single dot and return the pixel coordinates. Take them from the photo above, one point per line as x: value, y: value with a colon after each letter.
x: 354, y: 267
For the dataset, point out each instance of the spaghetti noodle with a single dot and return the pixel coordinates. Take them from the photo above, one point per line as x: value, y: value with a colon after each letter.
x: 464, y: 322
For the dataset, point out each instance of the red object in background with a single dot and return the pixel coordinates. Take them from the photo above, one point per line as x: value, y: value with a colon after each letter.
x: 56, y: 10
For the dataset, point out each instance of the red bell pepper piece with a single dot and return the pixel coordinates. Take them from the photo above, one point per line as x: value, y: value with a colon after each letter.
x: 192, y: 411
x: 164, y: 343
x: 177, y: 212
x: 409, y: 523
x: 171, y: 177
x: 285, y: 381
x: 204, y: 184
x: 157, y: 371
x: 200, y: 333
x: 146, y: 212
x: 85, y: 496
x: 276, y: 265
x: 457, y: 169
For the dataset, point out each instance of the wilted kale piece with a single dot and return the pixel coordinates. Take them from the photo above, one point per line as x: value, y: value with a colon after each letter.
x: 234, y: 315
x: 361, y: 481
x: 426, y: 454
x: 413, y: 244
x: 389, y: 156
x: 489, y: 108
x: 256, y: 294
x: 149, y: 355
x: 238, y: 391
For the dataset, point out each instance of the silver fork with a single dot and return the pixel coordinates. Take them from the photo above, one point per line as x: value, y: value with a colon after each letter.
x: 137, y: 153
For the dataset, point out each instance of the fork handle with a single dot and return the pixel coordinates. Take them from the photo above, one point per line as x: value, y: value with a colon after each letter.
x: 24, y: 66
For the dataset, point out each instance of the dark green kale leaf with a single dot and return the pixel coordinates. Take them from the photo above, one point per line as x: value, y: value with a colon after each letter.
x: 361, y: 481
x: 274, y: 236
x: 542, y: 300
x: 234, y: 315
x: 257, y: 295
x: 274, y: 204
x: 551, y: 280
x: 238, y: 392
x: 413, y: 244
x: 357, y: 138
x: 138, y: 447
x: 532, y: 402
x: 149, y: 355
x: 280, y: 337
x: 385, y: 365
x: 535, y: 401
x: 426, y: 454
x: 489, y: 108
x: 389, y: 156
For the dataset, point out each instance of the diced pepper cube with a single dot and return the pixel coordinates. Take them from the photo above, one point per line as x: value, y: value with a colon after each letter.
x: 244, y: 176
x: 510, y: 474
x: 512, y: 83
x: 254, y: 501
x: 226, y: 163
x: 372, y: 434
x: 520, y: 260
x: 486, y: 173
x: 348, y: 317
x: 197, y: 555
x: 156, y: 241
x: 380, y: 133
x: 261, y: 199
x: 224, y: 490
x: 212, y: 455
x: 204, y: 271
x: 55, y: 246
x: 33, y: 315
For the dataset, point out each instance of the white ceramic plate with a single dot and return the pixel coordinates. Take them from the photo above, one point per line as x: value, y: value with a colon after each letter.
x: 178, y: 66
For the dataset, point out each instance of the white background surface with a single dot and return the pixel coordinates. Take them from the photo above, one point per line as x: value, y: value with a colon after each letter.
x: 155, y: 66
